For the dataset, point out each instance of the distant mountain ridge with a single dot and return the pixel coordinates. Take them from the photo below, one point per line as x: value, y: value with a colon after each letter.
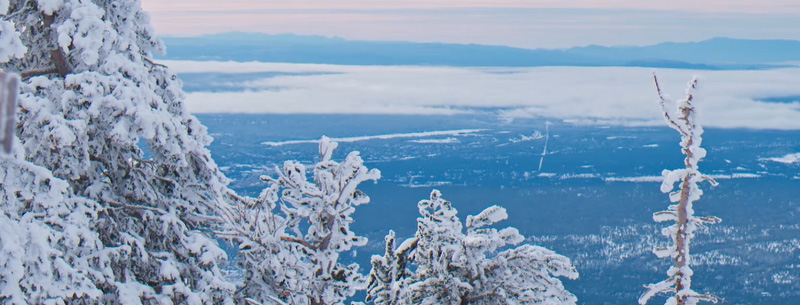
x: 712, y: 54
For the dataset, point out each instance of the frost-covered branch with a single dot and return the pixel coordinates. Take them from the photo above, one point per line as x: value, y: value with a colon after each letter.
x: 153, y: 63
x: 663, y: 102
x: 38, y: 72
x: 442, y: 264
x: 293, y: 234
x: 57, y: 54
x: 387, y: 279
x: 301, y: 242
x: 679, y: 281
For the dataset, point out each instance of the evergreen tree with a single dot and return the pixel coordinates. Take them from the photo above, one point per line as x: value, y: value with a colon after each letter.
x: 476, y: 267
x: 99, y: 114
x: 388, y: 274
x: 46, y: 243
x: 48, y: 251
x: 294, y: 252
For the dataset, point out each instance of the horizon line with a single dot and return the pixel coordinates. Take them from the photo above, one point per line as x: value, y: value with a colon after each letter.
x: 334, y: 37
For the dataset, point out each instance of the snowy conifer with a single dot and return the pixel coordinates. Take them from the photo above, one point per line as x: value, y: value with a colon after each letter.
x: 46, y: 243
x: 47, y: 248
x: 388, y: 274
x: 679, y: 281
x: 100, y: 115
x: 294, y: 253
x: 476, y: 267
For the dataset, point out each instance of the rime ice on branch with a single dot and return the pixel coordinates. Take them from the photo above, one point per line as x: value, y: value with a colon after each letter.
x: 679, y: 281
x: 478, y: 266
x: 294, y: 252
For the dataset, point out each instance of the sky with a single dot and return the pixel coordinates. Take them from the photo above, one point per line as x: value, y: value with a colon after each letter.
x: 519, y: 23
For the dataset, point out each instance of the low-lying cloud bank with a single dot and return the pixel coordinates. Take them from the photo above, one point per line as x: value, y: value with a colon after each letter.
x: 624, y: 96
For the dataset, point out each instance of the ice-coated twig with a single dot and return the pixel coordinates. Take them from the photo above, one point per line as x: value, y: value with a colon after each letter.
x: 679, y: 281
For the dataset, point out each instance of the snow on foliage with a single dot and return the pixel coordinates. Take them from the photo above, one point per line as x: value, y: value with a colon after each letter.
x: 10, y: 44
x: 46, y: 240
x: 292, y: 235
x: 442, y: 264
x: 679, y: 281
x: 47, y: 249
x: 9, y: 39
x: 386, y: 279
x: 92, y: 102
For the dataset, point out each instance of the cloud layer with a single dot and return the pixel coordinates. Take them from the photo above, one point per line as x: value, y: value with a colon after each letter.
x: 729, y: 99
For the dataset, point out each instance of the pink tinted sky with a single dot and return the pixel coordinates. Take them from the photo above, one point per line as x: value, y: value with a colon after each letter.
x: 531, y: 23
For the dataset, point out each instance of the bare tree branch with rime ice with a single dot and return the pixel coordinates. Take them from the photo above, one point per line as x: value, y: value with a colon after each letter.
x: 679, y: 281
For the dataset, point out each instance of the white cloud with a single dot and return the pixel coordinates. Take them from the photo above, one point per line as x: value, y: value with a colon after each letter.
x: 727, y: 99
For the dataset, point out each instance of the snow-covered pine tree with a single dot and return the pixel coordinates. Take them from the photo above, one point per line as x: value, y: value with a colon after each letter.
x: 47, y: 248
x: 679, y: 282
x: 387, y: 277
x: 476, y: 267
x: 46, y: 242
x: 99, y: 114
x: 294, y: 253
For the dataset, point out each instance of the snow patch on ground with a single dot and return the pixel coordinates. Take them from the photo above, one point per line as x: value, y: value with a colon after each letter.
x: 459, y: 132
x: 619, y: 137
x: 428, y: 184
x: 744, y: 175
x: 436, y: 141
x: 635, y: 179
x: 735, y: 176
x: 578, y: 176
x: 523, y: 138
x: 660, y: 178
x: 787, y: 159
